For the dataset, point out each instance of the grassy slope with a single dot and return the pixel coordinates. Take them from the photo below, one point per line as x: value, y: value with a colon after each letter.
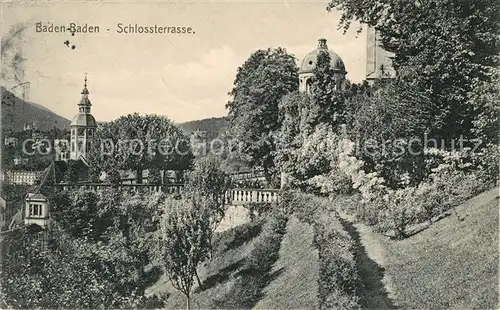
x: 452, y: 264
x: 217, y: 276
x: 296, y: 287
x: 294, y: 284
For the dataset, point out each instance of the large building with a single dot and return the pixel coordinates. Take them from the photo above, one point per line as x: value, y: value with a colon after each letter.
x: 82, y: 127
x: 306, y: 70
x: 21, y: 177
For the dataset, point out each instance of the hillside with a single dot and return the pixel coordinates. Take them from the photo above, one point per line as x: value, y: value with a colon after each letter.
x: 16, y: 112
x: 452, y: 264
x: 214, y: 125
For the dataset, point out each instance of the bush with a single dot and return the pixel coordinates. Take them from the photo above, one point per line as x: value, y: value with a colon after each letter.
x: 255, y: 272
x: 236, y: 236
x: 266, y: 249
x: 338, y: 277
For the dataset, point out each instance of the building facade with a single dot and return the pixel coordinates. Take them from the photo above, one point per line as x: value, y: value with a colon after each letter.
x: 308, y: 64
x: 82, y: 127
x: 20, y: 177
x: 36, y: 210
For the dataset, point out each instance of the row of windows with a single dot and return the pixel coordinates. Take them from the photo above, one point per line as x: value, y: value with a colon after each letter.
x: 35, y: 210
x: 81, y: 132
x: 80, y: 146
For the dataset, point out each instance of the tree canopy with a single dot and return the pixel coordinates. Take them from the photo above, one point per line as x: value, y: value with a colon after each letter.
x: 443, y: 47
x: 136, y: 142
x: 260, y: 84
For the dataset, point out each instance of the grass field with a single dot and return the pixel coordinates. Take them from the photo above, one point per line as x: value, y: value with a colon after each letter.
x: 452, y: 264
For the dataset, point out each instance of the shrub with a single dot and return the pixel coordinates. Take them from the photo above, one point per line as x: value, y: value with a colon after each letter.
x: 255, y: 272
x: 338, y: 277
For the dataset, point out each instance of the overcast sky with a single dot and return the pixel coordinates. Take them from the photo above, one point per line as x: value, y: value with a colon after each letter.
x: 184, y: 77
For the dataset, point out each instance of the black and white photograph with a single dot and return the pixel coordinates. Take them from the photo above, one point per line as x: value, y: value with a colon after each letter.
x: 249, y: 154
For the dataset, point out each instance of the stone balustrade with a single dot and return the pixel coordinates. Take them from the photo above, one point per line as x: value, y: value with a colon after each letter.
x: 244, y: 196
x: 237, y: 196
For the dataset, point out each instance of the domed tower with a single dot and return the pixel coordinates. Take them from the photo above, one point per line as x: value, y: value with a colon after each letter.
x: 306, y: 70
x: 82, y: 127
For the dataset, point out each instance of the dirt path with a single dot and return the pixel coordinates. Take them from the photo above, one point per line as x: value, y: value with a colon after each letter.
x: 377, y: 290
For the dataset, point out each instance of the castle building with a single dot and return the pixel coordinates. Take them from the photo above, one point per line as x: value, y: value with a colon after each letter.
x: 82, y: 127
x: 306, y: 70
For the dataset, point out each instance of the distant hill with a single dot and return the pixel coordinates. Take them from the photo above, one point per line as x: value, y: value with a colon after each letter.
x: 16, y: 112
x: 215, y: 125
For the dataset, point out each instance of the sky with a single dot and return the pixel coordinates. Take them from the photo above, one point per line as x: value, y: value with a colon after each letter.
x: 185, y: 77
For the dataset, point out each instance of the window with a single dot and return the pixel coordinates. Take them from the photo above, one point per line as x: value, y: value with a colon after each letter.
x: 35, y: 210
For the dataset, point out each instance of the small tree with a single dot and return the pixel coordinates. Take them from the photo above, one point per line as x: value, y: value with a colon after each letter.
x: 184, y: 242
x: 208, y: 183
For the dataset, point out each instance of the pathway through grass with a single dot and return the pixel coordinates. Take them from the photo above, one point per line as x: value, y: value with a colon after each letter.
x: 452, y: 264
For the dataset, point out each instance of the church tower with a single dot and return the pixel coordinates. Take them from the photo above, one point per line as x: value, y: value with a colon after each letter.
x: 82, y: 127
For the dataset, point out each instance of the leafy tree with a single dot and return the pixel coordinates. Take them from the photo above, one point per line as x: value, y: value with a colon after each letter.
x: 389, y: 128
x: 260, y: 83
x: 443, y: 47
x: 184, y: 242
x: 209, y: 182
x: 136, y: 142
x: 327, y: 97
x: 154, y: 176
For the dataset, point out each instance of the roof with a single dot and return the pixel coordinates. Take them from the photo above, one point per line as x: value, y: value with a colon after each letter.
x: 36, y: 196
x: 309, y: 62
x: 84, y: 120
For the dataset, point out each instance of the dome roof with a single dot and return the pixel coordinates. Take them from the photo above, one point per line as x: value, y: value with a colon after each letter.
x: 82, y: 119
x: 309, y: 62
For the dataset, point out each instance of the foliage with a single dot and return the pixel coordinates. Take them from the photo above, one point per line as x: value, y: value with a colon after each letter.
x: 338, y: 278
x: 444, y: 47
x: 136, y: 142
x: 389, y: 129
x: 485, y: 100
x: 260, y: 83
x: 183, y: 243
x: 207, y: 184
x: 102, y: 243
x: 326, y: 94
x: 65, y: 277
x: 255, y: 273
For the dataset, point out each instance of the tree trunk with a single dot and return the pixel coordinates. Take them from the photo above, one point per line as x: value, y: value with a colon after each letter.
x: 198, y: 279
x: 139, y: 176
x: 188, y: 302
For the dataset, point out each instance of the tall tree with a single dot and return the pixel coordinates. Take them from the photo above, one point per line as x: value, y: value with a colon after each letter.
x: 328, y: 99
x: 260, y: 83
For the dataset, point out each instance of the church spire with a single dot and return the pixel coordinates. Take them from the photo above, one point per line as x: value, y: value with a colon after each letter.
x: 85, y: 91
x: 84, y: 105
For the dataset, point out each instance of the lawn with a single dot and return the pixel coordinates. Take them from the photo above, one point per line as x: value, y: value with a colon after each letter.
x: 452, y: 264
